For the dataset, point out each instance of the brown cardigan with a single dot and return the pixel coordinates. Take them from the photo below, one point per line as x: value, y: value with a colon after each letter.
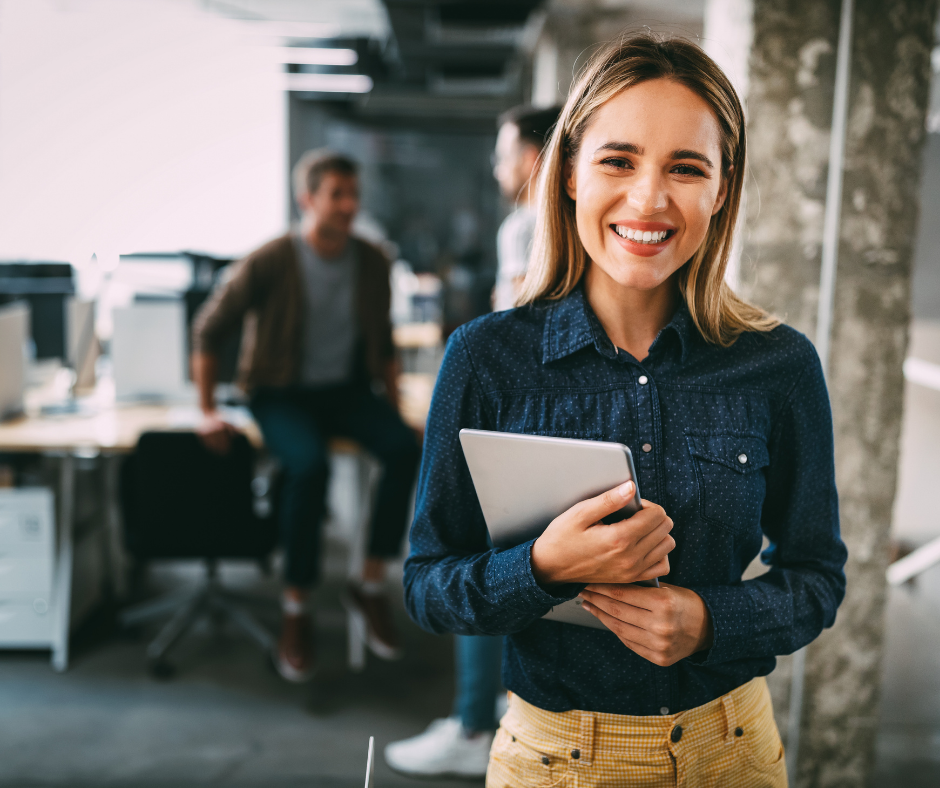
x: 266, y: 292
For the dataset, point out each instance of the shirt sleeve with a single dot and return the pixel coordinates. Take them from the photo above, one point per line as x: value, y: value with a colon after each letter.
x: 786, y: 608
x: 454, y: 580
x: 222, y: 314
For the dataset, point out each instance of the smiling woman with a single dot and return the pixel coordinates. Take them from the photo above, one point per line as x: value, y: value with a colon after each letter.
x: 667, y: 156
x: 627, y: 332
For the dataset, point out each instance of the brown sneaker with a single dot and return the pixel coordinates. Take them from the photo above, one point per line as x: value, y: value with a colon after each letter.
x: 374, y: 616
x: 296, y: 650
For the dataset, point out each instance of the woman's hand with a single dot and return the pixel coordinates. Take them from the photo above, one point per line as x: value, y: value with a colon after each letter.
x: 662, y: 624
x: 578, y: 548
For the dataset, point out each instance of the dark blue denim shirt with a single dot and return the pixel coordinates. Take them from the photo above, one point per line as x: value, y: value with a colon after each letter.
x: 732, y: 442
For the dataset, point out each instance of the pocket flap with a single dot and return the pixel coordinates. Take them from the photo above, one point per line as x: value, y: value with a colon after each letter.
x: 742, y: 453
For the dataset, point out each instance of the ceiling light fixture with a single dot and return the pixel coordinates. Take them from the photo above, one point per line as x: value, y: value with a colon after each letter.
x: 327, y: 83
x: 317, y: 56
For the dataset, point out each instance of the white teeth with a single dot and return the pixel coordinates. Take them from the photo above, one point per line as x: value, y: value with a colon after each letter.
x: 640, y: 237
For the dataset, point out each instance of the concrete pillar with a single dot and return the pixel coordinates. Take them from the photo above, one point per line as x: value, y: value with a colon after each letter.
x: 791, y: 77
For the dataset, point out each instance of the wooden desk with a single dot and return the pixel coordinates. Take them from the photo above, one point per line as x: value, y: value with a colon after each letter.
x: 111, y: 430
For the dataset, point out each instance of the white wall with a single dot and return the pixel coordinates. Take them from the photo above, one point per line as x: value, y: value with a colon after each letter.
x: 136, y: 125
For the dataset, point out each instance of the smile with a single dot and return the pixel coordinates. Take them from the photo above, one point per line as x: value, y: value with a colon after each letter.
x: 641, y: 236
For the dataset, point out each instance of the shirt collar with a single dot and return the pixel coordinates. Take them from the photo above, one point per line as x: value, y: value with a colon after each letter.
x: 572, y: 325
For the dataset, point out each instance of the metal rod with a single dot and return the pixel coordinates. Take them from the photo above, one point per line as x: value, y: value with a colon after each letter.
x: 830, y: 240
x: 915, y: 563
x: 827, y: 285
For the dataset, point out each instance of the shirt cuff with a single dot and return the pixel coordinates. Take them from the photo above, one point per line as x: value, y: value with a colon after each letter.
x: 511, y: 571
x: 732, y: 625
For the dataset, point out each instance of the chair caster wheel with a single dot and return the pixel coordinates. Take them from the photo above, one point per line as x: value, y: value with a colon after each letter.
x: 160, y: 669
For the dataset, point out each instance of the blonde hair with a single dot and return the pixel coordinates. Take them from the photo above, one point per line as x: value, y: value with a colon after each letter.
x: 559, y: 259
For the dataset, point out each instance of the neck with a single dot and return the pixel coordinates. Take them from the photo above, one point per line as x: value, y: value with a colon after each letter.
x: 632, y: 318
x: 325, y: 242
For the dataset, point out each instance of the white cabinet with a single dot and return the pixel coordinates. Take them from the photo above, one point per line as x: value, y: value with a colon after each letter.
x: 27, y: 555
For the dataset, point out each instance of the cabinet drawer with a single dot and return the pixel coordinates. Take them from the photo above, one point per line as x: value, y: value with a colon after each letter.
x: 26, y: 519
x: 24, y: 579
x: 25, y: 624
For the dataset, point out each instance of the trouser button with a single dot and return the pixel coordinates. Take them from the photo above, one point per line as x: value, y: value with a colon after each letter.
x: 676, y: 734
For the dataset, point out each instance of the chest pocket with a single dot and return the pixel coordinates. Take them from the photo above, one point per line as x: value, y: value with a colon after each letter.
x: 730, y: 484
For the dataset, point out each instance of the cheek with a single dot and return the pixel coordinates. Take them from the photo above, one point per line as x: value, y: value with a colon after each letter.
x: 595, y: 200
x: 698, y: 213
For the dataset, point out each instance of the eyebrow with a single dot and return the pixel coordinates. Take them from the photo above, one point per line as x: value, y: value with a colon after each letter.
x: 636, y: 150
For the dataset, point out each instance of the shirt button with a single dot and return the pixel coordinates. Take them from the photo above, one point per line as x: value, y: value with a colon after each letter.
x: 546, y: 760
x: 643, y: 380
x: 664, y: 710
x: 647, y: 447
x: 576, y: 754
x: 676, y: 734
x: 742, y: 458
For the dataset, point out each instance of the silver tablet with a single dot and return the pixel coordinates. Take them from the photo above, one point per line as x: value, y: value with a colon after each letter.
x: 523, y: 482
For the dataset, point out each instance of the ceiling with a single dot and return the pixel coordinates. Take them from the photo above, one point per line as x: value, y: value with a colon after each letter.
x: 430, y: 61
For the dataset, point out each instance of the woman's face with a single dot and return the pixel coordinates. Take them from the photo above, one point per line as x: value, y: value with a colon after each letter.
x: 646, y: 182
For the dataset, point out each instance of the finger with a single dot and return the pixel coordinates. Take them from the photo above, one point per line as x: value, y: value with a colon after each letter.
x: 627, y: 633
x: 639, y: 597
x: 623, y: 611
x: 666, y: 545
x: 595, y: 509
x: 646, y: 544
x: 659, y: 569
x: 650, y: 655
x: 640, y: 623
x: 646, y: 521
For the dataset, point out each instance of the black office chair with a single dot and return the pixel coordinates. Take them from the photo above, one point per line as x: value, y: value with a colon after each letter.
x: 182, y: 501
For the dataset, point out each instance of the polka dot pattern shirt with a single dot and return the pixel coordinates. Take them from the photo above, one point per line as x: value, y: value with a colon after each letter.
x: 734, y: 443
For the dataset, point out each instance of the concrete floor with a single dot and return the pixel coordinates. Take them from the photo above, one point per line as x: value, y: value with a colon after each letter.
x: 225, y: 719
x: 909, y: 727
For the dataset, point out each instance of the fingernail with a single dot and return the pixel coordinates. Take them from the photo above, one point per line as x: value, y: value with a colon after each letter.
x: 625, y: 489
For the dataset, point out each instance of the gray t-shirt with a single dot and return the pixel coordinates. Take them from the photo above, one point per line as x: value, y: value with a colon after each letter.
x: 513, y: 246
x: 330, y: 328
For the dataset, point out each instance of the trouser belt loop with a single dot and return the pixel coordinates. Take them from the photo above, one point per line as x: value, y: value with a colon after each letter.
x: 586, y: 739
x: 731, y: 719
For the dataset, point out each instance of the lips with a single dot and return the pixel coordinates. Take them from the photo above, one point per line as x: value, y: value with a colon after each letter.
x: 643, y: 238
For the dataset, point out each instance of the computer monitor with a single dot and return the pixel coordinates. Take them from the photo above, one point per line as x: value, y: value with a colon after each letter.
x: 148, y: 350
x: 14, y: 331
x: 45, y: 286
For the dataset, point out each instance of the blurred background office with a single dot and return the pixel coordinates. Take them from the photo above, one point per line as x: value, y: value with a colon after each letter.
x: 147, y: 144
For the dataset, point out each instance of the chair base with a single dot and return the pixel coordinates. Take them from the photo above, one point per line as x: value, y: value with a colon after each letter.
x: 209, y: 600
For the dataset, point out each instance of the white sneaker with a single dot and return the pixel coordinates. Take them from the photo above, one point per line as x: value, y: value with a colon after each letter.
x: 443, y: 750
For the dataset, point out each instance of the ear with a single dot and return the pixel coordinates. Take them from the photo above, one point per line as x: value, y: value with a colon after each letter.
x: 571, y: 187
x: 722, y: 191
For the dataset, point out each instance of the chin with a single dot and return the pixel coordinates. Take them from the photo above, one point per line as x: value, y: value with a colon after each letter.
x: 637, y: 275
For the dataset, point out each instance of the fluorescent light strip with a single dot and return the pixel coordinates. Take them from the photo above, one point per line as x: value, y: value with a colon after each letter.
x: 295, y: 29
x: 317, y: 56
x: 327, y: 83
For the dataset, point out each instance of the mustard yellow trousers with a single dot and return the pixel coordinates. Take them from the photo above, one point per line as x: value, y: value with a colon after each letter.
x: 731, y: 742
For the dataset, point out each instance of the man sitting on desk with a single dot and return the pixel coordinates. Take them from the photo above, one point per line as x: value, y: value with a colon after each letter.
x: 317, y: 345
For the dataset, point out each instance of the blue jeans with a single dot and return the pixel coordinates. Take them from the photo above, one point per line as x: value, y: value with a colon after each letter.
x: 296, y: 423
x: 478, y: 680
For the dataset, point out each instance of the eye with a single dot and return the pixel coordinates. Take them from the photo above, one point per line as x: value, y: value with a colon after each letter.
x: 617, y: 163
x: 687, y: 169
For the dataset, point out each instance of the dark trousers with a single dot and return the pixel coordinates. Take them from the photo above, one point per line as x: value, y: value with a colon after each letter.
x: 296, y: 423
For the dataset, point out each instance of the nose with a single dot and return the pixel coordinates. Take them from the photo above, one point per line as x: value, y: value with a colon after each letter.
x: 647, y: 193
